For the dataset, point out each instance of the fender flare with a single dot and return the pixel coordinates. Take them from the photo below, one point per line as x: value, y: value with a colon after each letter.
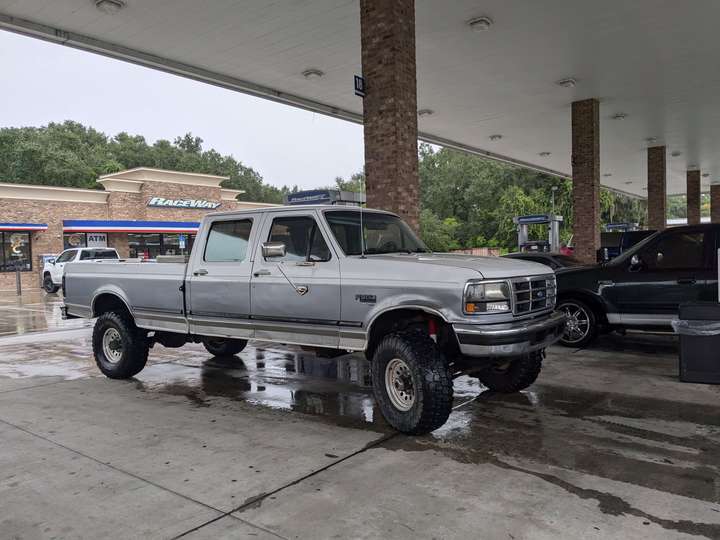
x: 113, y: 291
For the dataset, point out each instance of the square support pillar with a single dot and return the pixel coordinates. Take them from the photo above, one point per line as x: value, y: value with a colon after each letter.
x: 656, y: 188
x: 693, y: 197
x: 387, y: 29
x: 715, y: 203
x: 586, y: 178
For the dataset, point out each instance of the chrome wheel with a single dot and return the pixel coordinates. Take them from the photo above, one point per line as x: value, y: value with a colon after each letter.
x: 112, y: 345
x: 577, y: 325
x: 399, y: 384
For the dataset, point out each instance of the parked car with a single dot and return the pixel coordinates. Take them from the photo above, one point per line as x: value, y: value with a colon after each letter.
x: 553, y: 260
x: 53, y: 268
x: 643, y: 287
x: 613, y: 244
x: 307, y: 276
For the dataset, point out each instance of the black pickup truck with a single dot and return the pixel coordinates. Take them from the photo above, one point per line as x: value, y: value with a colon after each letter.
x: 643, y: 287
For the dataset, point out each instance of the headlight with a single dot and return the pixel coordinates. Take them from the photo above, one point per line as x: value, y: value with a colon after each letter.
x: 486, y: 297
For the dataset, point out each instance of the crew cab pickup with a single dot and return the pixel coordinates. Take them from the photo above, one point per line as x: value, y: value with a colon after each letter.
x: 333, y: 279
x: 643, y: 287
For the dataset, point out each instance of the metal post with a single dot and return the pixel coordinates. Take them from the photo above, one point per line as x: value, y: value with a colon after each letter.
x: 18, y: 281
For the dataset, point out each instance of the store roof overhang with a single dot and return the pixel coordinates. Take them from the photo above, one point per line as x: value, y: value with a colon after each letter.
x: 128, y: 226
x: 651, y: 64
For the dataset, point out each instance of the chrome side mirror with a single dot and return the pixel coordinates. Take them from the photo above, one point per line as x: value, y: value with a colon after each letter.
x: 273, y: 249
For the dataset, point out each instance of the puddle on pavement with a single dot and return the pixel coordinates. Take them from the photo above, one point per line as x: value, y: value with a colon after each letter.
x: 668, y: 446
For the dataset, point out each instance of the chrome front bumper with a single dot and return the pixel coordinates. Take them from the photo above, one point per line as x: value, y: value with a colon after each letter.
x: 510, y: 339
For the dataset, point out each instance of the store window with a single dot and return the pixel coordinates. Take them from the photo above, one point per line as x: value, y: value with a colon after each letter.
x: 16, y: 252
x: 150, y: 245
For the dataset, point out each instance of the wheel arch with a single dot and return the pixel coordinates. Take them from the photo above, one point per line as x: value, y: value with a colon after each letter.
x: 108, y: 300
x: 399, y: 318
x: 592, y: 301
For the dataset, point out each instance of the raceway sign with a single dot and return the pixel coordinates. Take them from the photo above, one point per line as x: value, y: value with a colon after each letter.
x: 183, y: 203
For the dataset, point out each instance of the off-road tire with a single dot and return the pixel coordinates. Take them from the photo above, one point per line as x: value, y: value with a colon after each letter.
x: 224, y: 347
x: 135, y: 346
x: 431, y: 377
x: 514, y: 375
x: 592, y: 332
x: 48, y: 284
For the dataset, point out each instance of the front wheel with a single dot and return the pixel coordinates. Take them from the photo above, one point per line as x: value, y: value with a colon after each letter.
x: 581, y: 324
x: 48, y: 285
x: 224, y: 347
x: 412, y: 382
x: 512, y: 375
x: 121, y: 348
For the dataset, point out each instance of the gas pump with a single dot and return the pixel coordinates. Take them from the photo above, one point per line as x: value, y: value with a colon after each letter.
x: 551, y: 244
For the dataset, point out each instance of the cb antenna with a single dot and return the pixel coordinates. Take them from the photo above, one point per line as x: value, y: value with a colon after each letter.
x: 362, y: 231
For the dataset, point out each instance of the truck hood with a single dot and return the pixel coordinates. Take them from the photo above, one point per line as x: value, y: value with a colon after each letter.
x: 487, y: 267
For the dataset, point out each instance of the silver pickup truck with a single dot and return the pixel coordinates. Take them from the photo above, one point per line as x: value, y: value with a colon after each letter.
x: 333, y: 279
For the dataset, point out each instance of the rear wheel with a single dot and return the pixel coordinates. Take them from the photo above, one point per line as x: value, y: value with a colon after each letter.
x: 581, y: 326
x: 223, y: 346
x: 412, y: 382
x: 48, y: 284
x: 121, y: 348
x: 512, y: 375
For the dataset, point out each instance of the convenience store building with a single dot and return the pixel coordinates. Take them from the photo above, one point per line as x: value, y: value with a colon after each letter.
x: 140, y: 212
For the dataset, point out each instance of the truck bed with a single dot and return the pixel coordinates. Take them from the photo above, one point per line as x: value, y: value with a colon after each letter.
x: 144, y: 285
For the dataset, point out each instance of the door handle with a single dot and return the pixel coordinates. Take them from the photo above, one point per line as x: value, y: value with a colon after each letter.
x: 200, y: 272
x: 305, y: 263
x: 687, y: 281
x: 261, y: 273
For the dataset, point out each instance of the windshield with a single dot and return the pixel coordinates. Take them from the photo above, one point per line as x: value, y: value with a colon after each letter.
x: 383, y: 233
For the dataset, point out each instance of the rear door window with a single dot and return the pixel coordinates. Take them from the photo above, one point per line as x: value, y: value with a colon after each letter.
x: 228, y: 241
x: 93, y: 254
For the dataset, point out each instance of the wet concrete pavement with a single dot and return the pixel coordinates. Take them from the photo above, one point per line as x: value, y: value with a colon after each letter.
x: 277, y: 443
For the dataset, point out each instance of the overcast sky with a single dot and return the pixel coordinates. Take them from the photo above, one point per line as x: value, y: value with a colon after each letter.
x: 43, y: 82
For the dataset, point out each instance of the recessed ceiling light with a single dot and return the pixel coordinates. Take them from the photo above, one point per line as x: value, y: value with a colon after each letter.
x: 426, y: 112
x: 607, y: 175
x: 567, y: 82
x: 545, y: 154
x: 480, y: 24
x: 705, y: 175
x: 313, y: 73
x: 692, y: 167
x: 495, y: 137
x: 109, y: 6
x: 676, y: 154
x: 619, y: 116
x: 645, y: 188
x: 651, y: 140
x: 628, y: 182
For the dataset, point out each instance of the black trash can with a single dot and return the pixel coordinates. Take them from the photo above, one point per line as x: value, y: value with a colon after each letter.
x: 699, y: 330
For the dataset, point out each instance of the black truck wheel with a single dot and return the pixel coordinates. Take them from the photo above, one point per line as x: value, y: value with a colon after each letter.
x: 224, y: 347
x: 514, y: 374
x: 581, y: 326
x: 120, y: 347
x: 48, y: 284
x: 412, y: 382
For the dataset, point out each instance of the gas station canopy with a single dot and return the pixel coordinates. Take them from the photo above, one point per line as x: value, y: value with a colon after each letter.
x: 495, y: 77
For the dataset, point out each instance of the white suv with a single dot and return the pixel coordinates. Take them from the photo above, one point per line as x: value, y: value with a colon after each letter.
x: 53, y: 269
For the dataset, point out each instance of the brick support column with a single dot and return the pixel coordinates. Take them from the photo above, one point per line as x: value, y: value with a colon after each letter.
x: 586, y: 178
x: 656, y: 188
x: 715, y: 203
x: 390, y: 106
x: 693, y: 197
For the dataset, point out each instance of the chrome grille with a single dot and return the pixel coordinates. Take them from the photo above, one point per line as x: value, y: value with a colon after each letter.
x: 532, y: 294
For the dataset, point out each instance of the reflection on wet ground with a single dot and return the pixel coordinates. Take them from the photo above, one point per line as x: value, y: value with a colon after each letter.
x: 34, y: 311
x: 657, y: 440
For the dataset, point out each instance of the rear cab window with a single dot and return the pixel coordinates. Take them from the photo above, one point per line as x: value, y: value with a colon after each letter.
x: 94, y: 254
